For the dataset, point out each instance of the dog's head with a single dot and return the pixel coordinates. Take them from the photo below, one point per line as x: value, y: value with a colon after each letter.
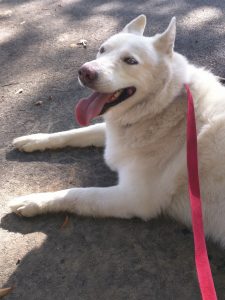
x: 128, y: 68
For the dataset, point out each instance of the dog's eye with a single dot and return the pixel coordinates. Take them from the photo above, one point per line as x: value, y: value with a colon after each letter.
x: 102, y: 50
x: 130, y: 61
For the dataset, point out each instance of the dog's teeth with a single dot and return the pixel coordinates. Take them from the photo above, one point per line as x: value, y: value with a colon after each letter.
x: 116, y: 95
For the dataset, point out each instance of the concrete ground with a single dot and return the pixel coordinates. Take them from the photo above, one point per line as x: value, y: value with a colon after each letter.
x: 88, y: 258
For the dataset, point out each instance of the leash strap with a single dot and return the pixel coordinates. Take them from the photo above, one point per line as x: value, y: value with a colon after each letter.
x: 201, y: 257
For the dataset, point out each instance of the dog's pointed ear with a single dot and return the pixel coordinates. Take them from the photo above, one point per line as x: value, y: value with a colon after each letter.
x: 136, y: 26
x: 165, y: 42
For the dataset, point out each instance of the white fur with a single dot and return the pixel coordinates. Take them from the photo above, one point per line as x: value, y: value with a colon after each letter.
x: 145, y: 137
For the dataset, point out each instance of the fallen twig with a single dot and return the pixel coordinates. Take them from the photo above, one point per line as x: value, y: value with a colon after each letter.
x: 65, y: 223
x: 19, y: 91
x: 11, y: 83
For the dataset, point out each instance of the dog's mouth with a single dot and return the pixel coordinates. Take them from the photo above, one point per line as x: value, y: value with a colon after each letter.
x: 98, y: 103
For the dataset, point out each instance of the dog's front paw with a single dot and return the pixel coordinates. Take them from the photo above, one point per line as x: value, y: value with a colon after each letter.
x: 27, y: 206
x: 32, y: 142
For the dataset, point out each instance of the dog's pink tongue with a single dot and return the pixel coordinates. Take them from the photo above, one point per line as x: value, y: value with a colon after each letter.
x: 91, y: 107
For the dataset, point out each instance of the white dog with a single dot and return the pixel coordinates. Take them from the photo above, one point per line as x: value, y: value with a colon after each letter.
x: 138, y: 85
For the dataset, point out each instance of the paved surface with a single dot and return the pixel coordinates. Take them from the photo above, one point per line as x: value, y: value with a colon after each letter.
x: 89, y: 258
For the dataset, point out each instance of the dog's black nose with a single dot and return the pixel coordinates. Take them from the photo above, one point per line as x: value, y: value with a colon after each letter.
x: 87, y: 74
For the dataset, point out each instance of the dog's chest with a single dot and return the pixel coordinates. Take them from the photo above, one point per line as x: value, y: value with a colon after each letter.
x: 153, y: 142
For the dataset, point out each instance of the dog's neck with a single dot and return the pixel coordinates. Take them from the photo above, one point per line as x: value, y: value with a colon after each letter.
x: 157, y: 138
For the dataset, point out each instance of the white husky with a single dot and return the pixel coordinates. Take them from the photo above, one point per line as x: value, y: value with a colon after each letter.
x: 138, y: 85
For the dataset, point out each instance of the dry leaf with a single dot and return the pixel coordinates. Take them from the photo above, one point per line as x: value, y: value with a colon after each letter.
x: 5, y: 291
x: 65, y: 223
x: 83, y: 43
x: 19, y: 91
x: 38, y: 103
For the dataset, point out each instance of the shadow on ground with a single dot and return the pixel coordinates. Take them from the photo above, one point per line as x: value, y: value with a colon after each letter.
x: 126, y: 259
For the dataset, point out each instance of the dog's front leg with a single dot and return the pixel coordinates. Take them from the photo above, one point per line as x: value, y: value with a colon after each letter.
x: 100, y: 202
x: 93, y: 135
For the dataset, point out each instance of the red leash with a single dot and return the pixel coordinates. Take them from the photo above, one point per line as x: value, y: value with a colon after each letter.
x: 201, y: 257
